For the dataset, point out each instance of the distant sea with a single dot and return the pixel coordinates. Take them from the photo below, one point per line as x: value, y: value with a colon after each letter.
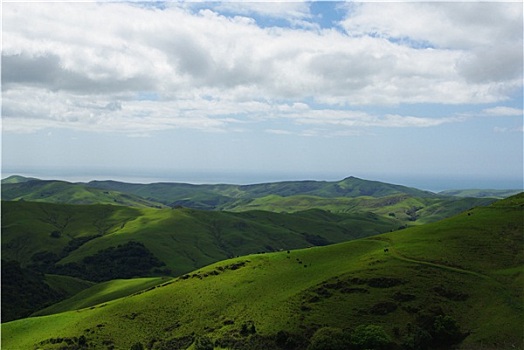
x: 424, y: 182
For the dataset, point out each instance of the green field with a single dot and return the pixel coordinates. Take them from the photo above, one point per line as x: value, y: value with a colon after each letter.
x: 465, y: 270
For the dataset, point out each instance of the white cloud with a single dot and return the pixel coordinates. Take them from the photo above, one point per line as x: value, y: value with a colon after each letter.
x: 288, y: 10
x: 278, y: 131
x: 351, y: 119
x: 488, y: 35
x: 503, y: 111
x: 89, y: 66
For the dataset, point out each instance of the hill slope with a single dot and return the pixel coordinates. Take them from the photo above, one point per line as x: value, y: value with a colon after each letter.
x: 218, y: 196
x: 43, y: 234
x: 351, y: 195
x: 15, y: 189
x: 16, y: 179
x: 455, y: 281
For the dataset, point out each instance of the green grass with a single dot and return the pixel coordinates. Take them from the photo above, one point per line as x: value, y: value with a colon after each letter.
x: 406, y: 209
x: 67, y: 285
x: 351, y: 195
x: 101, y: 293
x: 68, y: 193
x: 465, y: 267
x: 195, y: 196
x: 184, y: 239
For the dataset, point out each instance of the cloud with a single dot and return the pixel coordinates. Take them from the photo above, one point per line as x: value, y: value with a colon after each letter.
x: 503, y: 130
x: 360, y: 119
x: 289, y: 11
x: 489, y: 35
x: 503, y: 111
x: 133, y: 68
x: 278, y: 131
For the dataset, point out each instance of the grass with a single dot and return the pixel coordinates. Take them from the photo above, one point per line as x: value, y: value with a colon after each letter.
x: 406, y: 209
x: 464, y: 267
x: 184, y: 239
x: 67, y: 285
x: 68, y: 193
x: 100, y: 293
x: 351, y: 195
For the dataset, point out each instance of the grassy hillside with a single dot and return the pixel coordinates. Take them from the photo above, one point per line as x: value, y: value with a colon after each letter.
x: 455, y: 281
x: 15, y: 189
x: 226, y: 196
x: 184, y: 239
x: 66, y: 285
x: 16, y: 179
x: 102, y: 292
x: 351, y: 195
x: 407, y: 209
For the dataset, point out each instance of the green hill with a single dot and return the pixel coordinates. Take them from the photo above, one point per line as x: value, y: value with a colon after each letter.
x: 16, y: 179
x: 102, y: 292
x: 351, y: 195
x: 14, y: 189
x: 45, y: 234
x: 405, y: 208
x: 223, y: 196
x: 457, y: 281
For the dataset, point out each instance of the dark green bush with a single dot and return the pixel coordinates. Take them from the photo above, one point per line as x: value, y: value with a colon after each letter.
x: 329, y: 338
x: 203, y: 343
x: 370, y: 337
x: 137, y: 346
x: 445, y: 331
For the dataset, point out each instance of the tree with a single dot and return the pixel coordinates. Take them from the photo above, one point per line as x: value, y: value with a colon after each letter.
x: 446, y: 330
x: 417, y: 339
x: 329, y: 338
x: 370, y: 337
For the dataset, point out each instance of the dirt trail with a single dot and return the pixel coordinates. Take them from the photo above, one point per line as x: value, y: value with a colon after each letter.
x: 387, y: 243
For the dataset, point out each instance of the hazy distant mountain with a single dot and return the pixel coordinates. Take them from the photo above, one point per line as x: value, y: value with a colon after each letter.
x: 479, y: 193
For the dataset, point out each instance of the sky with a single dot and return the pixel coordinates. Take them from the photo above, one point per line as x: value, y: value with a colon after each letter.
x: 427, y: 94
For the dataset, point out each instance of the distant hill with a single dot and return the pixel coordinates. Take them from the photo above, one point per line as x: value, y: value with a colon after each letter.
x: 14, y: 179
x: 456, y: 283
x: 481, y: 193
x: 18, y: 188
x: 221, y: 196
x: 351, y: 195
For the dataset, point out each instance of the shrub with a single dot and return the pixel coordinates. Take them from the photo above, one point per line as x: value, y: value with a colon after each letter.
x: 329, y: 338
x: 417, y: 339
x: 137, y: 346
x: 446, y: 331
x: 203, y: 343
x: 290, y: 341
x: 370, y: 337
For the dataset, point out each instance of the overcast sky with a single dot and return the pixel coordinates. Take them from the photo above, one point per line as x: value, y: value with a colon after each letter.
x: 293, y: 90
